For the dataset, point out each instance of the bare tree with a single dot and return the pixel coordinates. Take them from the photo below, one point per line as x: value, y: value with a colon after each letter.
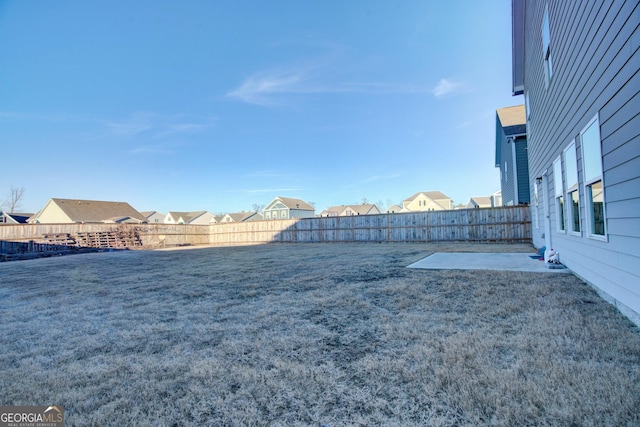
x: 380, y: 205
x: 256, y: 207
x: 12, y: 203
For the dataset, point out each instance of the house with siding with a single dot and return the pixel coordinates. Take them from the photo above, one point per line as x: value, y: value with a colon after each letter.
x: 240, y: 217
x: 192, y: 218
x: 511, y: 154
x: 349, y: 210
x: 70, y: 211
x: 394, y: 209
x: 427, y: 201
x: 480, y: 202
x: 13, y: 218
x: 577, y: 65
x: 154, y: 217
x: 285, y: 208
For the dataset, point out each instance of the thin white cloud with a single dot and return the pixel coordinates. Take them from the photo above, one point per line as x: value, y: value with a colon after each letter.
x: 449, y: 87
x: 151, y: 150
x: 269, y: 88
x: 136, y: 123
x: 267, y: 173
x: 261, y: 88
x: 375, y: 178
x: 157, y: 126
x: 273, y: 190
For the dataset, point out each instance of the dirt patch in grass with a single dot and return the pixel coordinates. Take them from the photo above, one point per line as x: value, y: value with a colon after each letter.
x: 334, y: 334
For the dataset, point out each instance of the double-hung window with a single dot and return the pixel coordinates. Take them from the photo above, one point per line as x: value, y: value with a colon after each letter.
x: 593, y: 188
x: 573, y: 195
x: 546, y: 47
x: 559, y: 194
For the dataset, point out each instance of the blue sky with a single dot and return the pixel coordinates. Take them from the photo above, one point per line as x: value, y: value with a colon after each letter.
x: 220, y: 105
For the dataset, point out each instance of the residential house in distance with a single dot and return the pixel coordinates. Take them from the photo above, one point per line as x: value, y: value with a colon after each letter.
x: 286, y: 208
x: 349, y: 210
x: 577, y: 68
x: 480, y: 202
x: 427, y: 201
x: 217, y: 218
x: 511, y: 154
x: 154, y: 217
x: 69, y: 211
x: 14, y: 218
x: 484, y: 201
x: 394, y: 209
x: 240, y: 217
x: 192, y: 218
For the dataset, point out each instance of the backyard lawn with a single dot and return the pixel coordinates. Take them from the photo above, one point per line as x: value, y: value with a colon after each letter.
x: 311, y: 335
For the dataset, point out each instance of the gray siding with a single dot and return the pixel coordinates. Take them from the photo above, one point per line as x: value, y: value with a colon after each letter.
x: 594, y: 48
x: 506, y: 179
x: 505, y: 161
x: 522, y: 167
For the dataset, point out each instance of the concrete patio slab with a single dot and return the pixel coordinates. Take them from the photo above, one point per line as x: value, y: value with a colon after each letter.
x: 485, y: 261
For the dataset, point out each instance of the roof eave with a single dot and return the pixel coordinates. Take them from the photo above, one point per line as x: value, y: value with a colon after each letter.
x: 517, y: 46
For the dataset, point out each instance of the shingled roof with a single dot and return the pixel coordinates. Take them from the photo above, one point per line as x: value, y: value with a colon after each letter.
x: 296, y: 203
x: 87, y: 211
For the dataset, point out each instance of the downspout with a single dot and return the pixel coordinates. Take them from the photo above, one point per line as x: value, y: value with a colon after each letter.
x: 516, y: 198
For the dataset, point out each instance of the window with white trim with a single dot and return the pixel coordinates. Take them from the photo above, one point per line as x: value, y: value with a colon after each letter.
x: 546, y: 46
x: 573, y: 195
x: 593, y: 188
x: 559, y: 194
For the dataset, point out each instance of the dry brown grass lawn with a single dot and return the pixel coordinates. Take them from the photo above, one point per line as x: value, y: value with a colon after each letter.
x: 286, y: 335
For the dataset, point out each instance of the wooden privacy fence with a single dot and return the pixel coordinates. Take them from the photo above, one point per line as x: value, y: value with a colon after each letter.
x: 503, y: 224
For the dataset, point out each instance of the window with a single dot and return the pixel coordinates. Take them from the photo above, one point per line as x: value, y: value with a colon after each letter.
x: 546, y: 46
x: 559, y: 191
x: 573, y: 196
x: 593, y: 188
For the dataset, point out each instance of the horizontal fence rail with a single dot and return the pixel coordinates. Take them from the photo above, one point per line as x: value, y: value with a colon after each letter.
x: 502, y: 224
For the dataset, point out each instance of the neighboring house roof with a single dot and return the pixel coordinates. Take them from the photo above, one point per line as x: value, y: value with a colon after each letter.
x: 512, y: 116
x: 153, y: 216
x: 511, y: 126
x: 14, y: 217
x: 216, y: 219
x: 436, y: 197
x: 362, y: 209
x: 433, y: 195
x: 394, y: 209
x: 480, y: 202
x: 89, y: 211
x: 186, y: 217
x: 239, y: 217
x: 292, y: 203
x: 513, y: 120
